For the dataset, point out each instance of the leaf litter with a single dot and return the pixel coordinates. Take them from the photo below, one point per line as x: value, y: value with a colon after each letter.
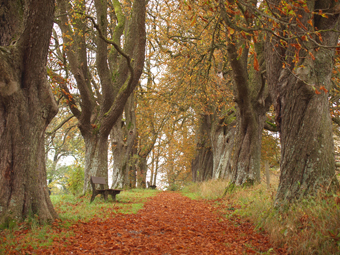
x: 169, y: 223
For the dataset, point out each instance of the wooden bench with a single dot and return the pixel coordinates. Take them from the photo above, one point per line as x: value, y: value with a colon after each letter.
x: 151, y: 186
x: 105, y: 192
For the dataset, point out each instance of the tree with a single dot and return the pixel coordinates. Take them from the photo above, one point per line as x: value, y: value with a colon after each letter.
x: 299, y: 65
x: 63, y: 141
x: 192, y: 46
x: 26, y: 108
x: 251, y: 93
x: 104, y: 86
x: 123, y: 143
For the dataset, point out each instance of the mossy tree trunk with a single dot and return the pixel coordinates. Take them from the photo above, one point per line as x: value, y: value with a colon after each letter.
x: 26, y: 108
x: 302, y: 108
x: 124, y: 135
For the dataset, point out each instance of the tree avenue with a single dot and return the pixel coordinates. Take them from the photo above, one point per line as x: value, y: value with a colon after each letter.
x: 212, y: 72
x: 278, y: 52
x: 26, y: 108
x: 301, y: 38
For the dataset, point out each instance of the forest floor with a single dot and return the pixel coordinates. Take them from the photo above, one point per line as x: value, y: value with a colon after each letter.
x: 169, y: 223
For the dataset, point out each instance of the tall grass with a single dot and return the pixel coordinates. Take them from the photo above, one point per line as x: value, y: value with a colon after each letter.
x: 310, y: 226
x: 211, y: 189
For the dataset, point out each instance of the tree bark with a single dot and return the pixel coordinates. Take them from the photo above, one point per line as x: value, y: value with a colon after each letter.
x: 11, y: 18
x: 202, y: 165
x: 26, y: 108
x: 96, y: 153
x: 141, y: 172
x: 307, y: 151
x: 247, y: 157
x: 124, y: 136
x: 223, y: 137
x: 307, y: 157
x: 119, y: 148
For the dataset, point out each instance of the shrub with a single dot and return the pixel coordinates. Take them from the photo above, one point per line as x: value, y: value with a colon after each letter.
x: 75, y: 179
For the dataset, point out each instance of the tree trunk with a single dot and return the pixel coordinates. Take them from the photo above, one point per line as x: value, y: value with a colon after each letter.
x: 307, y: 157
x: 156, y: 168
x: 96, y: 153
x: 124, y: 136
x: 307, y: 161
x: 202, y: 165
x: 123, y: 149
x: 152, y: 170
x: 141, y: 172
x: 119, y: 149
x: 247, y: 162
x: 223, y: 137
x: 26, y: 108
x: 307, y: 150
x: 252, y: 98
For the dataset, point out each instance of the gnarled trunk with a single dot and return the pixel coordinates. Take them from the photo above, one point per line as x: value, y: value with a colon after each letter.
x: 222, y: 146
x: 124, y: 147
x: 253, y: 101
x: 307, y: 158
x: 307, y: 150
x: 26, y: 108
x: 96, y: 152
x: 247, y: 158
x: 119, y: 149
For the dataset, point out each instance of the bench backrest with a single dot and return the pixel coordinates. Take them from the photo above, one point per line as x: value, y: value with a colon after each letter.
x: 98, y: 180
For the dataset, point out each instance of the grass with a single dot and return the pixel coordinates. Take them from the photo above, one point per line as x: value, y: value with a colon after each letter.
x: 70, y: 209
x: 211, y: 189
x: 310, y: 226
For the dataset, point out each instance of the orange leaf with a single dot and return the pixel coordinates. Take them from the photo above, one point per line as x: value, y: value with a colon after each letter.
x: 239, y: 52
x: 193, y: 22
x: 310, y: 22
x: 324, y: 89
x: 311, y: 54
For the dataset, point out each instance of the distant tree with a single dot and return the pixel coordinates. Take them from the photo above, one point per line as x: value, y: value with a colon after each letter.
x: 63, y: 141
x: 26, y: 108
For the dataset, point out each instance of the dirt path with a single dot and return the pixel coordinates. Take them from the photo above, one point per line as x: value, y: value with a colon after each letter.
x: 168, y: 224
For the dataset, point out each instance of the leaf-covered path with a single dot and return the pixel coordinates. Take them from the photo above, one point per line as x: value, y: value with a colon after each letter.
x: 169, y: 223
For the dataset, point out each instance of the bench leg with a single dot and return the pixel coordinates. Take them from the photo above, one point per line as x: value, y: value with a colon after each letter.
x: 105, y: 196
x: 113, y: 197
x: 93, y: 197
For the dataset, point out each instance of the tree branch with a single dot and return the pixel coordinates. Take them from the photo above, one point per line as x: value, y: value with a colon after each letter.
x: 60, y: 125
x: 117, y: 47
